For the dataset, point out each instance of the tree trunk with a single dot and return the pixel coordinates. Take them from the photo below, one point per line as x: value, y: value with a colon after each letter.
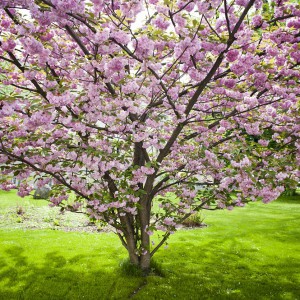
x: 138, y: 247
x: 133, y: 256
x: 145, y: 261
x: 145, y: 238
x: 141, y: 261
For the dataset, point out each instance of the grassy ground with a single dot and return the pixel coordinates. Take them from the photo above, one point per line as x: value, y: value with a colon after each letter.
x: 247, y: 253
x: 27, y: 213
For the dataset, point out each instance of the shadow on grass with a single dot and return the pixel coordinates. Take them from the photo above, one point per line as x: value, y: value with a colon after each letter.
x: 236, y: 273
x: 58, y: 278
x: 290, y: 199
x: 212, y: 273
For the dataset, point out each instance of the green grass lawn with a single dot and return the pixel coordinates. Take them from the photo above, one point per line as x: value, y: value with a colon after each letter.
x: 10, y: 199
x: 247, y: 253
x: 28, y: 213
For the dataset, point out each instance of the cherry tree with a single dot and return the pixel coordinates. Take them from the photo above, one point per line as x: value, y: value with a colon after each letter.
x: 123, y: 103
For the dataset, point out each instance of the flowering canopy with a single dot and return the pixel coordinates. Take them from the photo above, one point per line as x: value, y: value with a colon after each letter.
x: 123, y: 101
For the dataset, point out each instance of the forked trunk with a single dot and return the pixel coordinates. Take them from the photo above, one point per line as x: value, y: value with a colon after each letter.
x: 145, y: 239
x: 140, y: 257
x: 140, y: 261
x: 145, y: 261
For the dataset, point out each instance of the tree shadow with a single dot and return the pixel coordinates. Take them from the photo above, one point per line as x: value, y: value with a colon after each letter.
x: 295, y: 199
x: 59, y: 277
x: 236, y: 271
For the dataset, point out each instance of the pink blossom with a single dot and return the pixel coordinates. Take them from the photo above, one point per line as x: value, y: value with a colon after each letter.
x: 232, y: 55
x: 102, y: 208
x: 148, y: 231
x: 230, y: 83
x: 221, y: 205
x: 9, y: 45
x: 116, y: 65
x: 221, y: 130
x: 241, y: 2
x: 121, y: 37
x: 169, y: 221
x: 161, y: 23
x: 7, y: 186
x: 24, y: 190
x: 131, y: 210
x: 5, y: 23
x: 102, y: 36
x: 281, y: 176
x: 257, y: 21
x: 147, y: 171
x: 264, y: 143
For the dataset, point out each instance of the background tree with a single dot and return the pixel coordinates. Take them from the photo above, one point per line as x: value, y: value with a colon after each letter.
x: 121, y: 102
